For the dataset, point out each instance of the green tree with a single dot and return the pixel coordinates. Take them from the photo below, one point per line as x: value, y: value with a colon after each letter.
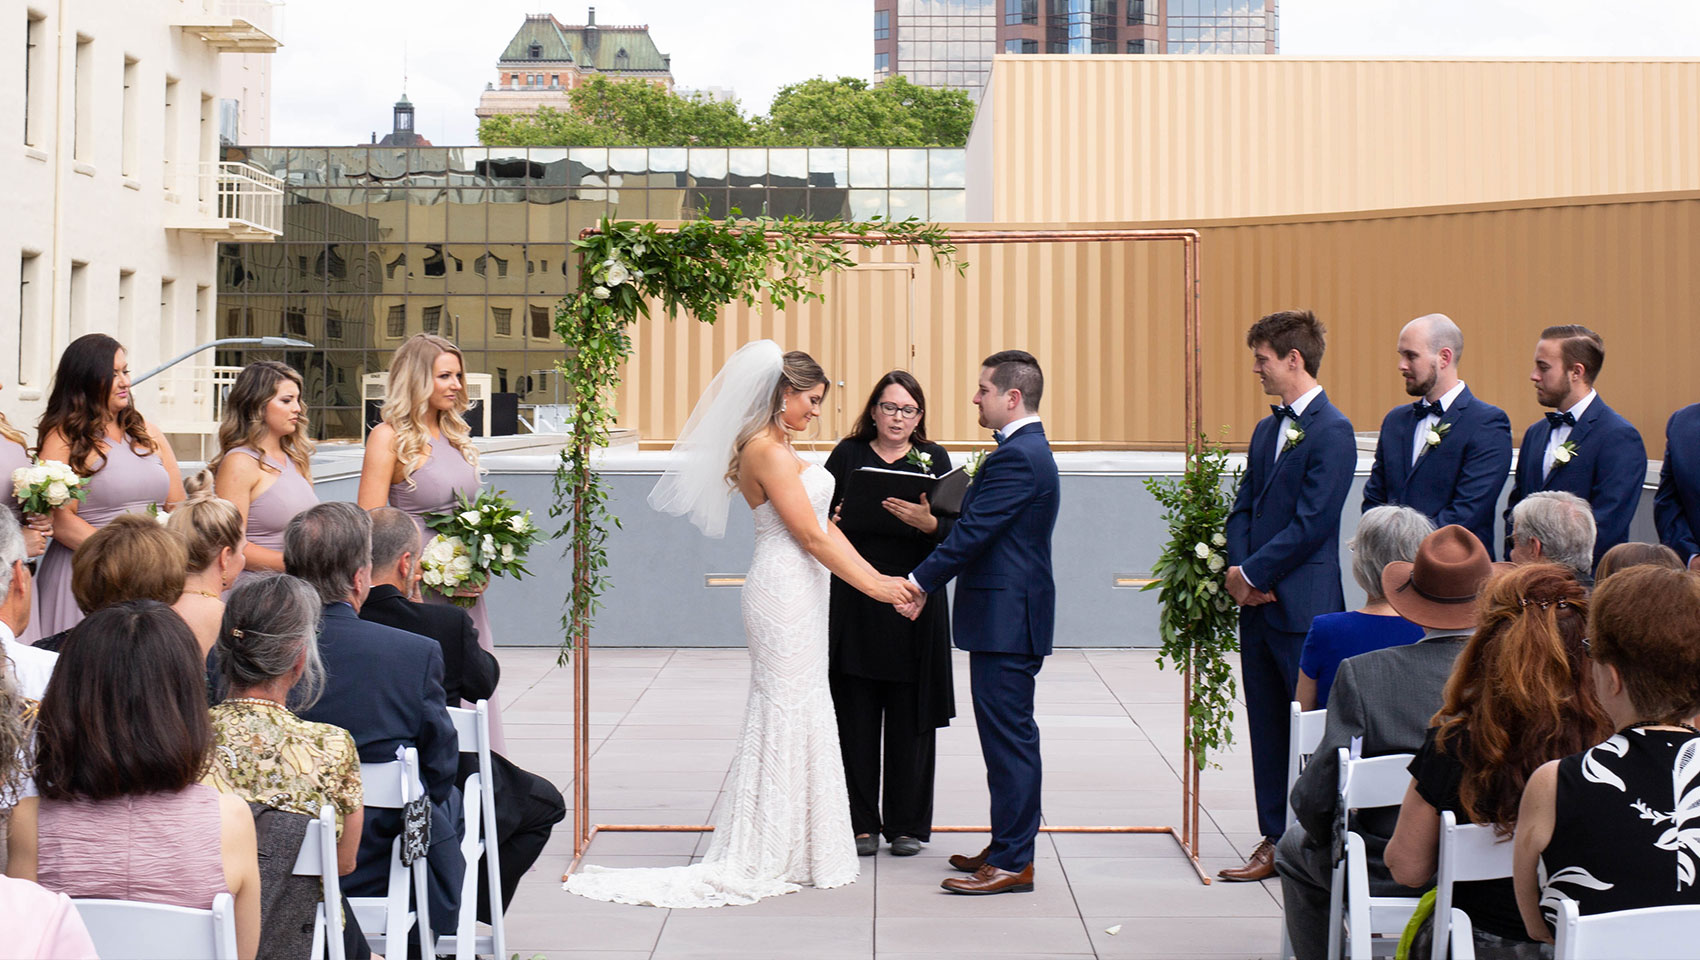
x: 848, y: 112
x: 618, y: 113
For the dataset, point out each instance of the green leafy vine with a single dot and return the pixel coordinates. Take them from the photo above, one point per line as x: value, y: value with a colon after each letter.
x: 697, y: 268
x: 1199, y: 622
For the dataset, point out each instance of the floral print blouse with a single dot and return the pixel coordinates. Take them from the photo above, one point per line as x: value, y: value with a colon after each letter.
x: 265, y: 754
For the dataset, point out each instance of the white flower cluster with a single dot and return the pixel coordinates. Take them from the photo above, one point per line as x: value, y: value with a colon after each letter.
x: 49, y: 482
x: 445, y: 563
x: 614, y: 273
x: 1211, y: 558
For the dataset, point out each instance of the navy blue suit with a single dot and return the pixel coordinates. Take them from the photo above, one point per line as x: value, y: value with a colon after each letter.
x: 1676, y: 507
x: 1608, y: 471
x: 999, y: 552
x: 385, y: 687
x: 1459, y: 480
x: 1284, y: 535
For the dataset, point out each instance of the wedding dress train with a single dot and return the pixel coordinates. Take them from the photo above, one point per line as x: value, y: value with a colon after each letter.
x: 785, y: 817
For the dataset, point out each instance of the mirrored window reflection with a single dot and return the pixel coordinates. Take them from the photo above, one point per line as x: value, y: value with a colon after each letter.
x: 829, y: 167
x: 747, y: 166
x: 666, y: 166
x: 947, y: 168
x: 708, y: 166
x: 867, y: 204
x: 867, y: 168
x: 908, y: 168
x: 947, y: 206
x: 788, y: 167
x: 908, y: 203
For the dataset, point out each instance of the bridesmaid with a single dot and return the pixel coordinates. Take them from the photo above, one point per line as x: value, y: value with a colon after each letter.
x: 14, y: 453
x: 421, y: 457
x: 269, y: 480
x: 92, y: 425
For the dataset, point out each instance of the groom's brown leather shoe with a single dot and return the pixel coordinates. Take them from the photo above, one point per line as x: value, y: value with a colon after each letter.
x: 969, y: 864
x: 989, y: 879
x: 1259, y: 866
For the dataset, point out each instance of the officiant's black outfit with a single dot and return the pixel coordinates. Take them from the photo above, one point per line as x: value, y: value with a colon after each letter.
x: 888, y: 671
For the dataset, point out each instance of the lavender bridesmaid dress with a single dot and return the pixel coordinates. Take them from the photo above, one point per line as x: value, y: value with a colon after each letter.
x: 436, y: 483
x: 270, y: 512
x: 125, y: 483
x: 12, y: 456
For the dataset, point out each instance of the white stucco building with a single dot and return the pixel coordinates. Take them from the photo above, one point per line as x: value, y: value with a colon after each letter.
x: 115, y: 197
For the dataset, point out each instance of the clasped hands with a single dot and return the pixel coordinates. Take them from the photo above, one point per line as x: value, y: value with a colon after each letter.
x: 1244, y: 593
x: 904, y: 595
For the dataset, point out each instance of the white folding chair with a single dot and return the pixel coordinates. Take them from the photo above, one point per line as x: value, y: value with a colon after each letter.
x: 1365, y: 783
x: 473, y: 728
x: 318, y: 859
x: 385, y: 920
x: 1651, y: 933
x: 1304, y: 733
x: 1468, y: 852
x: 1463, y: 936
x: 157, y: 931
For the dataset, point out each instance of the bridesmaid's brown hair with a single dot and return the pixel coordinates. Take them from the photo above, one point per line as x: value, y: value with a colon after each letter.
x: 77, y: 404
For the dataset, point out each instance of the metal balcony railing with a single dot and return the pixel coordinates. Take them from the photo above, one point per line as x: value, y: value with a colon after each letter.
x: 236, y: 201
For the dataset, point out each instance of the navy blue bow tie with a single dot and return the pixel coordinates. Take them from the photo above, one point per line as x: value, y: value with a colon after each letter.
x: 1282, y: 410
x: 1565, y: 419
x: 1425, y: 408
x: 999, y: 437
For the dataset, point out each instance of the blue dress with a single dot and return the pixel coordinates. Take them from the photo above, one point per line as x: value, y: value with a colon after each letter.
x: 1335, y: 636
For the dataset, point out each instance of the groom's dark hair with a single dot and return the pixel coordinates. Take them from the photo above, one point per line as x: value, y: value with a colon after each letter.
x: 1017, y: 370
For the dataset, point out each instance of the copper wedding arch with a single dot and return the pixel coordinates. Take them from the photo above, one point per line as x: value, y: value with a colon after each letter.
x: 1186, y: 835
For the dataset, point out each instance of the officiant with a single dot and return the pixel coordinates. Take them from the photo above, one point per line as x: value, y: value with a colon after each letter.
x: 886, y: 670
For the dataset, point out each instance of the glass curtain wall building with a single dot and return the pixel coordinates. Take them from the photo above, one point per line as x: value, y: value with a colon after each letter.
x: 472, y: 243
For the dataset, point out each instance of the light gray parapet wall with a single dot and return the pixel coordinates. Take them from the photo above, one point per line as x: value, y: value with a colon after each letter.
x: 660, y: 566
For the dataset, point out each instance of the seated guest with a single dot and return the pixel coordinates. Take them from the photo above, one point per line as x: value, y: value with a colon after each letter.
x: 42, y: 924
x: 527, y: 806
x: 1611, y: 828
x: 30, y: 666
x: 1385, y: 534
x: 1381, y: 702
x: 212, y: 533
x: 285, y: 768
x: 384, y: 686
x: 1520, y: 695
x: 1635, y: 554
x: 122, y: 739
x: 1554, y: 527
x: 134, y: 558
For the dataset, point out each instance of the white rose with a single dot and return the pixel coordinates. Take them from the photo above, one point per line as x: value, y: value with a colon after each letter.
x: 1210, y: 587
x: 163, y: 516
x: 507, y: 553
x: 40, y: 475
x: 639, y: 249
x: 57, y: 493
x: 460, y: 566
x: 1215, y: 563
x: 600, y: 292
x: 1201, y: 549
x: 470, y: 518
x: 1292, y: 434
x: 1561, y: 455
x: 488, y: 545
x: 519, y: 523
x: 617, y: 273
x: 433, y: 577
x: 1218, y: 540
x: 1433, y: 437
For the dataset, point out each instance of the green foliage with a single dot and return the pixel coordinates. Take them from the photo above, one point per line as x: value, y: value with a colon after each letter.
x: 697, y: 268
x: 1199, y: 623
x: 846, y: 112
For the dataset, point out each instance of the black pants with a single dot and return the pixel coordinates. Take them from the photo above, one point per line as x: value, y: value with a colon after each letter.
x: 527, y: 809
x: 863, y: 706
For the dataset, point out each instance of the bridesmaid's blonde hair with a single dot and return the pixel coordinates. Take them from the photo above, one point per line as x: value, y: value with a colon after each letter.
x: 206, y: 522
x: 407, y: 403
x: 14, y: 434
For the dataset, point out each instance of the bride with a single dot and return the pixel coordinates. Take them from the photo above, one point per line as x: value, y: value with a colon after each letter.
x: 785, y: 819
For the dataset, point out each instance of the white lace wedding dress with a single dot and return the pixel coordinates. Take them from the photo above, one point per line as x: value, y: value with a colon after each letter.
x: 785, y: 817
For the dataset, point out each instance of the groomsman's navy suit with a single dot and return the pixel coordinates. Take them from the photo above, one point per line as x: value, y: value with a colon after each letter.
x: 1284, y: 535
x: 1458, y: 480
x: 1676, y: 507
x: 999, y: 551
x: 1608, y: 470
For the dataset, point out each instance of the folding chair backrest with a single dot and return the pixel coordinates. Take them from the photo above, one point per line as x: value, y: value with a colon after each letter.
x: 1651, y: 933
x: 1304, y: 734
x: 479, y: 839
x: 156, y: 931
x: 1468, y: 852
x: 1373, y: 781
x: 318, y: 859
x: 390, y: 786
x: 1365, y: 783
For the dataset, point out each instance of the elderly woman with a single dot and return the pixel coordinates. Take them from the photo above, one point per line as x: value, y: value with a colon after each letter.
x: 131, y: 558
x: 1385, y: 535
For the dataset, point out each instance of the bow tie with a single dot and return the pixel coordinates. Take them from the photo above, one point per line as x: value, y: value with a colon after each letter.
x: 1565, y: 419
x: 999, y: 437
x: 1282, y: 410
x: 1426, y: 409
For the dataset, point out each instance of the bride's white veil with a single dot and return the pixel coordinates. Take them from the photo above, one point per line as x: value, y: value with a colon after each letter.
x: 695, y: 484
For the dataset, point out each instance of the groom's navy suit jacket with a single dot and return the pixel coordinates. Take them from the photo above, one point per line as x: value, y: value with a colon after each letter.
x: 1608, y: 471
x: 1676, y: 507
x: 1457, y: 481
x: 999, y: 551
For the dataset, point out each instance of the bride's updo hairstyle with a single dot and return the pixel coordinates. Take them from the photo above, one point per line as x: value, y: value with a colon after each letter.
x: 798, y: 373
x: 207, y: 523
x: 407, y: 404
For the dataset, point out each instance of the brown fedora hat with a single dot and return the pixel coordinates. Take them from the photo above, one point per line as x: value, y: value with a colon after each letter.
x: 1439, y: 589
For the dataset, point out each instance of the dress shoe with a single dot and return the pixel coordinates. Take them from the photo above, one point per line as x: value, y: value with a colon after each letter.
x: 1259, y: 866
x: 968, y: 864
x: 867, y: 846
x: 905, y: 847
x: 989, y: 879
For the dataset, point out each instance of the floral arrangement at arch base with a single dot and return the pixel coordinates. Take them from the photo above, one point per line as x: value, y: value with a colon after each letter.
x: 697, y: 267
x: 1199, y: 622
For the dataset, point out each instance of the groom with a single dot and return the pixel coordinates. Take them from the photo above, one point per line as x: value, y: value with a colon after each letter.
x: 1006, y: 603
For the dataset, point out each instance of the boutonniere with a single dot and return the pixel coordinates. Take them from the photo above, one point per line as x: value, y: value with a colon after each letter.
x: 1436, y: 434
x: 1564, y: 453
x: 972, y: 465
x: 1295, y: 436
x: 919, y: 459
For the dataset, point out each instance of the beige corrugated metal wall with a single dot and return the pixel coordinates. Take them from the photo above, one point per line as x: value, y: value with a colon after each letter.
x: 1114, y: 138
x: 1105, y: 319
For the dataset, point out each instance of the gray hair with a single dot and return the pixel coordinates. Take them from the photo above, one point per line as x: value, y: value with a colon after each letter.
x: 268, y: 624
x: 1443, y: 334
x: 393, y: 534
x: 1562, y: 522
x: 1386, y: 535
x: 12, y: 548
x: 327, y: 546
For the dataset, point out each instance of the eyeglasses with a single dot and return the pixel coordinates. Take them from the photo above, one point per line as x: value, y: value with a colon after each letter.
x: 893, y: 410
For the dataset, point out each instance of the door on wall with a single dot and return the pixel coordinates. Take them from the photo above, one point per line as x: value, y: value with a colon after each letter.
x: 870, y: 311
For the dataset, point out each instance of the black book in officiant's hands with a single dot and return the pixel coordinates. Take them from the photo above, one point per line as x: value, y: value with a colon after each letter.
x: 863, y: 509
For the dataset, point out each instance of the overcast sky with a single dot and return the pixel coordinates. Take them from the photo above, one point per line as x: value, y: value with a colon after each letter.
x: 343, y: 61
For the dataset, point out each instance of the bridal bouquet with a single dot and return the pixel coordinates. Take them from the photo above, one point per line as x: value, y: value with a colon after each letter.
x: 45, y: 485
x: 487, y: 536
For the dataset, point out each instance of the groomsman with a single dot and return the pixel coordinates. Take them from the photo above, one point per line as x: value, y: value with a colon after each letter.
x: 1284, y: 548
x: 1676, y: 507
x: 1582, y: 446
x: 1449, y: 453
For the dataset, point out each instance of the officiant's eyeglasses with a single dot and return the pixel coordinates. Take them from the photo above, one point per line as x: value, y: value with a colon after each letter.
x: 893, y: 410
